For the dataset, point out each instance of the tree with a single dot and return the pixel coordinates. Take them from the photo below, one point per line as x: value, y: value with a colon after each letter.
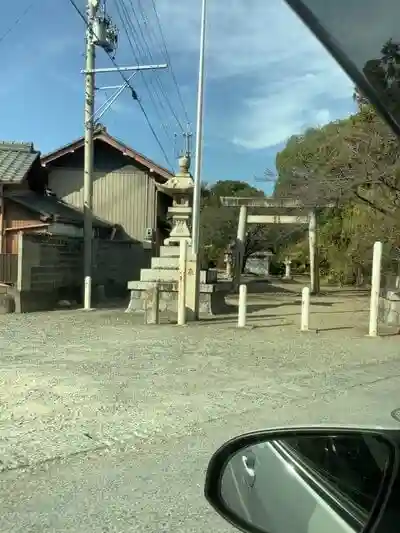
x: 355, y: 164
x: 218, y: 226
x: 352, y: 158
x: 383, y: 74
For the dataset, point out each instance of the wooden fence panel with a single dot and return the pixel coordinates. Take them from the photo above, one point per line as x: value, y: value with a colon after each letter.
x: 8, y: 268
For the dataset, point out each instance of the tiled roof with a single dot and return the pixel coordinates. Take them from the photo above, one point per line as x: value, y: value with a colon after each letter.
x: 53, y: 209
x: 16, y: 160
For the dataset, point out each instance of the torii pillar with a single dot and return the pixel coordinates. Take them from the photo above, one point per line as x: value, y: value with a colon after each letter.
x: 240, y: 245
x: 313, y: 251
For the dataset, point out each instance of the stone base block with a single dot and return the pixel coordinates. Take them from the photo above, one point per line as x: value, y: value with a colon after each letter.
x: 7, y: 301
x: 389, y: 308
x: 211, y: 301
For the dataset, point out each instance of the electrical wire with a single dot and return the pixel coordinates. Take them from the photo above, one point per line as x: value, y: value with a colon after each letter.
x: 157, y: 77
x: 149, y: 31
x: 16, y: 22
x: 133, y: 91
x: 169, y: 60
x: 125, y: 21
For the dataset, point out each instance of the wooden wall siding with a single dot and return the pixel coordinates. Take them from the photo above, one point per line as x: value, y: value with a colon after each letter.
x: 8, y: 268
x: 125, y: 196
x: 15, y: 217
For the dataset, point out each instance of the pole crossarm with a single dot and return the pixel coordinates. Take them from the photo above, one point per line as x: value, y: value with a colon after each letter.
x: 122, y: 69
x: 288, y: 203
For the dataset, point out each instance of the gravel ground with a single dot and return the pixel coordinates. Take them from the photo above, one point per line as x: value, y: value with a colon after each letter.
x: 106, y: 425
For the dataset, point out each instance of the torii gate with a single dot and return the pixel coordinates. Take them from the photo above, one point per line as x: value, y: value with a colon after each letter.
x: 273, y: 203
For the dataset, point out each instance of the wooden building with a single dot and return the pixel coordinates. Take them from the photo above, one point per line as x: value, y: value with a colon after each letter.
x: 27, y: 205
x: 124, y: 185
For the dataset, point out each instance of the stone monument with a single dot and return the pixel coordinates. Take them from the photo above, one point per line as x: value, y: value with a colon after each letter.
x: 163, y: 276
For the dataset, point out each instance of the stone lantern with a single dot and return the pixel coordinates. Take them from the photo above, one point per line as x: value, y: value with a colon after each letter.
x: 180, y: 189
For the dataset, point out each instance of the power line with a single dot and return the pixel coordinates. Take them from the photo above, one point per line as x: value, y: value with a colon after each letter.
x: 158, y: 79
x: 128, y: 84
x: 125, y: 22
x: 151, y: 59
x: 16, y: 22
x: 169, y: 60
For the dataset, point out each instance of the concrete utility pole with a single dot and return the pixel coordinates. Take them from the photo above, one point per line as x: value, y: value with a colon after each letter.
x: 92, y: 6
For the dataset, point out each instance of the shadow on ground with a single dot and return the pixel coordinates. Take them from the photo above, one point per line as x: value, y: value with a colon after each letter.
x: 254, y: 308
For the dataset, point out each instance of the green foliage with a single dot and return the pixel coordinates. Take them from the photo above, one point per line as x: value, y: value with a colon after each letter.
x: 353, y: 163
x: 219, y: 224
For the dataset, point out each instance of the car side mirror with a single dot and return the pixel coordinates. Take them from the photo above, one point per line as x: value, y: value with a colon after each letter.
x: 304, y: 480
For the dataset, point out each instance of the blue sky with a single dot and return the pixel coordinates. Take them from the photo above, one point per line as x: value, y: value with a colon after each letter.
x: 267, y: 79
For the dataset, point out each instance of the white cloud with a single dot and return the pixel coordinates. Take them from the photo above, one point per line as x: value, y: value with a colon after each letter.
x: 291, y: 80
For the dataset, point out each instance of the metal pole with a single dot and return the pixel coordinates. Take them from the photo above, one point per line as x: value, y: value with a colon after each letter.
x: 110, y: 87
x: 375, y: 290
x: 88, y: 156
x: 199, y: 135
x: 109, y: 102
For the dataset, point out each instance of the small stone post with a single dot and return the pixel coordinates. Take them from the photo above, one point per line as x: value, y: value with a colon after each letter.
x: 242, y: 306
x: 288, y: 273
x: 152, y: 315
x: 228, y: 263
x: 305, y: 309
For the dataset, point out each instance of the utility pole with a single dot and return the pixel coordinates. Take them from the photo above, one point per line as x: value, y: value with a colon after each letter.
x: 92, y: 6
x: 102, y: 33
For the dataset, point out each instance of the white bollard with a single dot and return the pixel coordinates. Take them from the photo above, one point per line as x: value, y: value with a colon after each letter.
x: 375, y: 290
x: 183, y: 245
x: 242, y: 306
x: 305, y: 309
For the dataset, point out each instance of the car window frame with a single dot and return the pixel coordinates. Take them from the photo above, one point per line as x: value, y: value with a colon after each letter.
x: 329, y: 43
x: 354, y: 515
